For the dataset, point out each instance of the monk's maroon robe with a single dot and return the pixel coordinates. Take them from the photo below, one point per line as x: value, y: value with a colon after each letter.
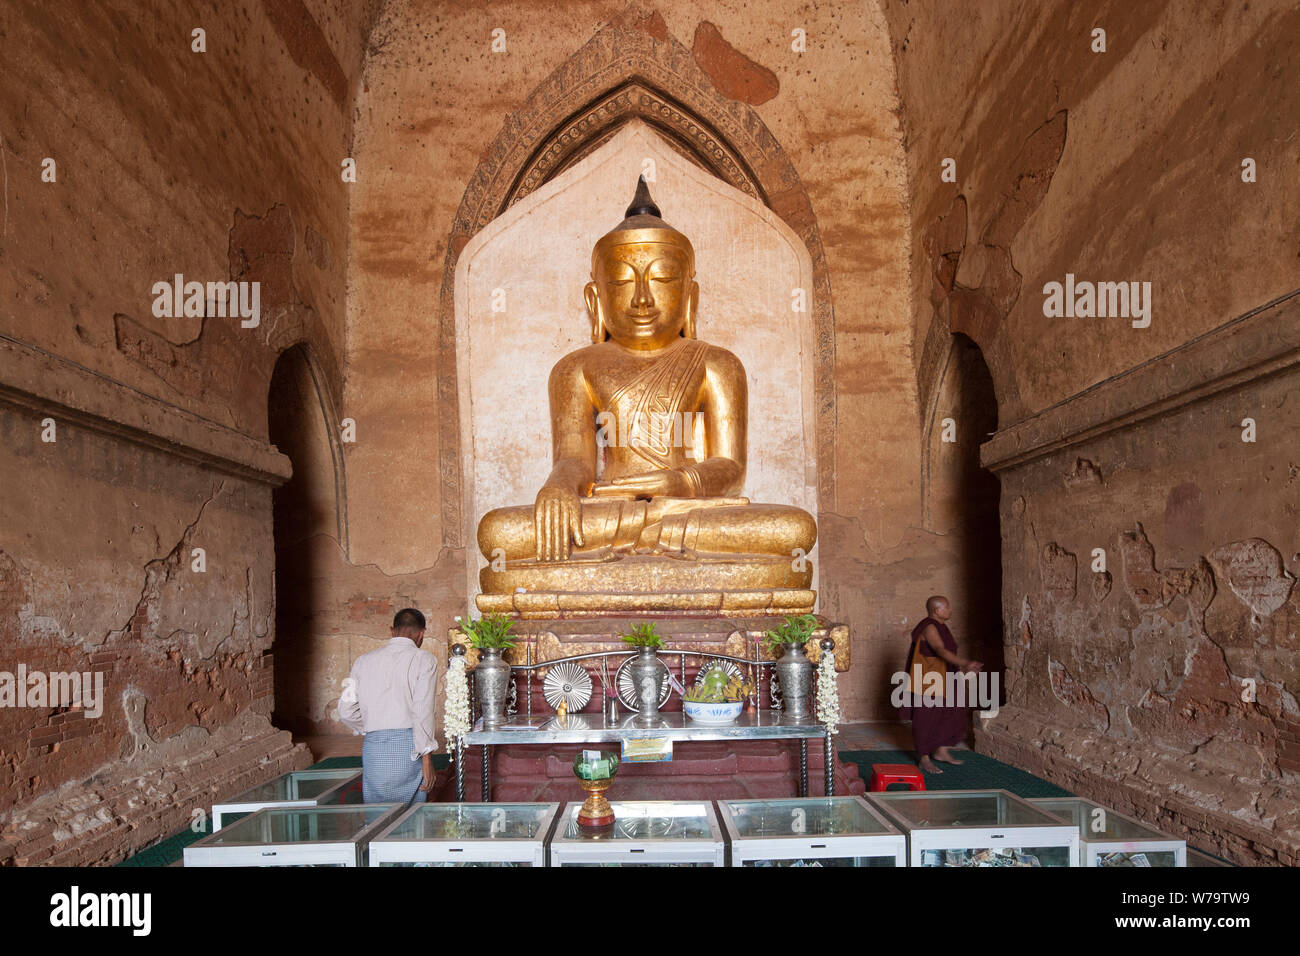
x: 934, y: 725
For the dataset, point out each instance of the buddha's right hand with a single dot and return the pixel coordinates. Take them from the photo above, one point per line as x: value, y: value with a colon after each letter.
x: 557, y: 521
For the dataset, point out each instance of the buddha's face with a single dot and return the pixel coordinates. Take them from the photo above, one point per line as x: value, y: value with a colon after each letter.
x: 643, y: 293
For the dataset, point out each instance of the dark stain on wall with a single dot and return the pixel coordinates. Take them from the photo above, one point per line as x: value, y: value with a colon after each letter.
x: 307, y: 45
x: 733, y: 74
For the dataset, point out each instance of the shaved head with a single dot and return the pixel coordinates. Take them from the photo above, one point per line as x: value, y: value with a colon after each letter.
x: 934, y: 602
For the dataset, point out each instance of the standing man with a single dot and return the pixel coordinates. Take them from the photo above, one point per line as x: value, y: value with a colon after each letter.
x: 389, y: 697
x: 936, y: 724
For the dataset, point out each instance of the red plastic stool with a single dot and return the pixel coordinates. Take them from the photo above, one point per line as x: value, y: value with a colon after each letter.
x: 883, y: 774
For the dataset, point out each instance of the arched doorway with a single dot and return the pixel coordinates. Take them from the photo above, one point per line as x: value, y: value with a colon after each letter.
x: 962, y: 497
x: 305, y: 508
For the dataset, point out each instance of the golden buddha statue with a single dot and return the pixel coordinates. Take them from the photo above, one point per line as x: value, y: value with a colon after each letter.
x: 642, y: 509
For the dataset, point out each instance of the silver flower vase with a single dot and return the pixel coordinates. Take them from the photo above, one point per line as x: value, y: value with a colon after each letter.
x: 492, y: 681
x: 645, y: 678
x: 794, y: 671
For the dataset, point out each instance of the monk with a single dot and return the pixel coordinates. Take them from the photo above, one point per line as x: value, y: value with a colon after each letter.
x: 937, y: 725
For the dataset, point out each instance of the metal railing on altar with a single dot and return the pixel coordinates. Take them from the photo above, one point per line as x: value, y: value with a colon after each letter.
x: 752, y: 668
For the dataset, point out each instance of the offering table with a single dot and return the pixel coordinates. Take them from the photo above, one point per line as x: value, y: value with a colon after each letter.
x: 674, y: 726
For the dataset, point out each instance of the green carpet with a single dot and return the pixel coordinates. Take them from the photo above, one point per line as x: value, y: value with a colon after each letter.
x: 168, y: 851
x: 172, y: 849
x: 977, y: 772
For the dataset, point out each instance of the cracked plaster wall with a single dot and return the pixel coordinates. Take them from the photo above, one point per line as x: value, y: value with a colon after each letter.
x: 1141, y: 669
x: 1124, y: 165
x: 183, y: 148
x: 216, y: 165
x: 97, y: 574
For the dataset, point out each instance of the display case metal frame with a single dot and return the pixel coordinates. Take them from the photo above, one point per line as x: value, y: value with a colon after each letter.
x: 746, y: 849
x: 640, y: 851
x: 386, y: 849
x: 1092, y: 846
x: 350, y: 852
x: 965, y: 837
x: 348, y: 777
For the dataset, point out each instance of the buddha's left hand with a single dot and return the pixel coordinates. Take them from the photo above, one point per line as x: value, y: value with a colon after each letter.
x: 649, y: 484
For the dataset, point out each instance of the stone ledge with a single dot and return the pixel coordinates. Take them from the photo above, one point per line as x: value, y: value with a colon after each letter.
x: 1095, y: 768
x: 49, y: 385
x: 552, y: 605
x: 1260, y: 343
x: 82, y: 825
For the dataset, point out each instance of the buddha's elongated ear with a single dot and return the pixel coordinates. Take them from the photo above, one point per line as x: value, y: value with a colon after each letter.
x: 692, y: 301
x: 592, y: 298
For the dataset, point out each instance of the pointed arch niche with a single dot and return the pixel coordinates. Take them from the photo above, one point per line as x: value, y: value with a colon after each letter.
x: 632, y: 77
x: 519, y: 309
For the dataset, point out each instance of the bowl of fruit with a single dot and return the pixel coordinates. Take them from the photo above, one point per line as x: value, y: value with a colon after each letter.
x: 718, y: 697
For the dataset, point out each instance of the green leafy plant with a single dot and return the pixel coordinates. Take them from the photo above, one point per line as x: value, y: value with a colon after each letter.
x: 717, y: 687
x: 793, y: 630
x: 643, y: 635
x: 490, y: 631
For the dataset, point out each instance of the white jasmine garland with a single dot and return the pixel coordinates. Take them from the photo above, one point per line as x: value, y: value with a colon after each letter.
x: 828, y: 694
x: 456, y: 713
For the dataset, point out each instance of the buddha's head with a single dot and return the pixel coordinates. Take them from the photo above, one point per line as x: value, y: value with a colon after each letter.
x: 642, y: 292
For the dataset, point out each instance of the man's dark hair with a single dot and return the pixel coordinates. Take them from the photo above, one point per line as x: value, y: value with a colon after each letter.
x: 408, y: 617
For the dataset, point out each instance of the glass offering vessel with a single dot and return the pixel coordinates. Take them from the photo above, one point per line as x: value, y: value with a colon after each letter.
x: 595, y: 770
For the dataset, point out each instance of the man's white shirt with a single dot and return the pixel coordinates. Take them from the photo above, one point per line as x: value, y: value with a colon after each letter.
x: 392, y: 688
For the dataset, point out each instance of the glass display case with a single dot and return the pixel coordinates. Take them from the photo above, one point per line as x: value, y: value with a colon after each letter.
x: 295, y: 836
x: 816, y: 831
x: 1109, y: 838
x: 298, y: 788
x: 466, y: 834
x: 978, y: 828
x: 649, y: 833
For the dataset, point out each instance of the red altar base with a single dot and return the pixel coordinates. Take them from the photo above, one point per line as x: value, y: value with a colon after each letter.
x: 699, y: 770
